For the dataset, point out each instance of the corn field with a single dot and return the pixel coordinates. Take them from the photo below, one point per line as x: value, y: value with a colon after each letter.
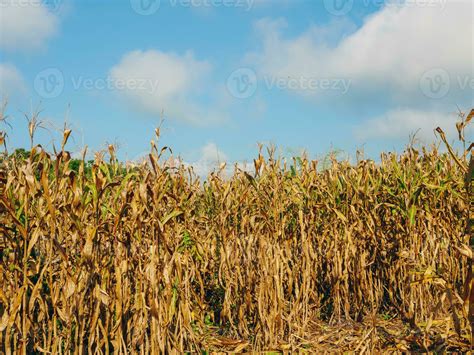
x: 372, y: 256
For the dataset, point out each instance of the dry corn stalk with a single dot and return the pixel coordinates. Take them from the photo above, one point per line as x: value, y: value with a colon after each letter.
x: 104, y: 257
x: 466, y: 250
x: 468, y: 296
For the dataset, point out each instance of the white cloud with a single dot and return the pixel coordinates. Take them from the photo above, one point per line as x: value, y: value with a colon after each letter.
x: 393, y: 60
x: 167, y: 82
x: 210, y: 159
x: 387, y: 55
x: 401, y: 123
x: 213, y: 159
x: 211, y: 154
x: 26, y: 24
x: 11, y: 80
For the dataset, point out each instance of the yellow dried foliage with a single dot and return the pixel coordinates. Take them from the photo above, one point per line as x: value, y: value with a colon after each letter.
x: 366, y: 257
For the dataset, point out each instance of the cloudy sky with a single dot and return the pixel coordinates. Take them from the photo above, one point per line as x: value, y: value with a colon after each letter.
x: 224, y: 75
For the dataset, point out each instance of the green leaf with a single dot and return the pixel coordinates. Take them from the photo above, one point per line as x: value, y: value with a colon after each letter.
x: 412, y: 215
x: 171, y: 215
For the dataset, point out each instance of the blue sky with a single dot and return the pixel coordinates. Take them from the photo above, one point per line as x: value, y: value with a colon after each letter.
x: 227, y: 74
